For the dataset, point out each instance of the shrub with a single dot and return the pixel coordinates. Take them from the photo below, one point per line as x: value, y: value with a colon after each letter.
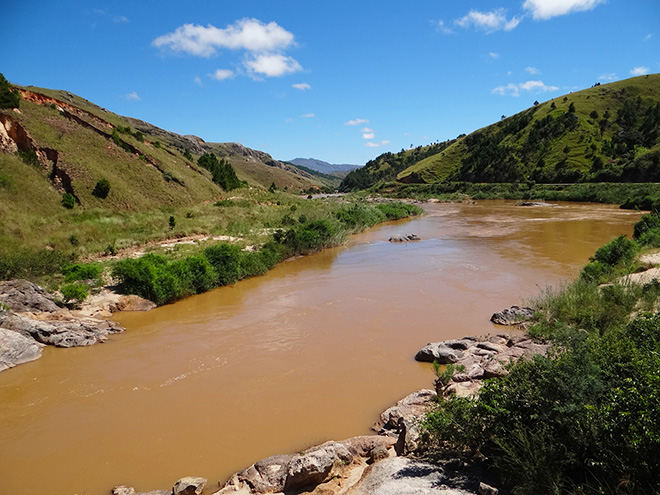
x: 619, y: 250
x: 9, y: 98
x: 596, y: 272
x: 79, y: 271
x: 29, y: 157
x: 650, y: 238
x: 225, y: 259
x: 101, y: 189
x: 68, y: 200
x: 646, y: 223
x: 76, y: 291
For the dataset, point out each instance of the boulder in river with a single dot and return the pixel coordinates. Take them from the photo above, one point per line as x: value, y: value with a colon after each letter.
x: 189, y: 486
x: 404, y: 238
x: 17, y: 349
x: 513, y: 315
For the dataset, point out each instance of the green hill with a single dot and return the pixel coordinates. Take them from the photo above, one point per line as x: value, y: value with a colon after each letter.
x: 58, y: 150
x: 607, y: 133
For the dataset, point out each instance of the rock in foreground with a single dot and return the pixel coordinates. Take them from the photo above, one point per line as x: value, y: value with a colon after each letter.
x: 513, y: 315
x: 17, y: 349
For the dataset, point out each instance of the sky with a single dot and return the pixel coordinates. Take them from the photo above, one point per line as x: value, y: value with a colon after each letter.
x: 340, y: 81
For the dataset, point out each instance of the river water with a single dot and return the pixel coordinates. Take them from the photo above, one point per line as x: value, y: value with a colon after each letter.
x: 312, y: 351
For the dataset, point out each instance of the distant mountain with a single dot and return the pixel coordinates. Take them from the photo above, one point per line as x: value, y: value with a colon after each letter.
x: 321, y: 166
x: 606, y: 133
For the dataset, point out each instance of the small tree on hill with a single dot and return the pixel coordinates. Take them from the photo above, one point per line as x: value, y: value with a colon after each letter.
x: 101, y: 189
x: 9, y: 98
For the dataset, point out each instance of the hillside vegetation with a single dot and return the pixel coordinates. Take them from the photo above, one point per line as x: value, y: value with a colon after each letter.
x: 607, y: 133
x: 75, y: 177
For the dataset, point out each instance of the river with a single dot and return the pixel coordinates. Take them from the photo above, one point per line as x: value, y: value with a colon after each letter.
x: 312, y: 351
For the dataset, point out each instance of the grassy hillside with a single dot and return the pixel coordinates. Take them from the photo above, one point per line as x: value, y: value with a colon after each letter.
x: 57, y: 147
x: 607, y: 133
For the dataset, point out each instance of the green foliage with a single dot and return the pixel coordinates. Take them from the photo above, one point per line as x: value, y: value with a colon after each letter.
x: 101, y: 189
x: 645, y: 224
x: 225, y: 203
x: 619, y: 250
x: 68, y: 200
x: 75, y: 291
x: 9, y: 98
x: 187, y: 155
x: 172, y: 222
x: 222, y: 172
x: 30, y: 264
x: 29, y: 157
x: 81, y: 271
x: 225, y: 259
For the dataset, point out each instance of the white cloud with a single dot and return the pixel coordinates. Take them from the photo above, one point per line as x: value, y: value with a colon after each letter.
x: 272, y: 65
x: 531, y: 86
x: 198, y: 80
x: 608, y: 76
x: 443, y: 28
x: 301, y: 86
x: 120, y: 19
x: 494, y: 55
x: 648, y: 37
x: 639, y: 71
x: 488, y: 21
x: 132, y: 96
x: 357, y: 122
x: 366, y: 129
x: 246, y: 34
x: 376, y: 145
x: 545, y: 9
x: 308, y: 116
x: 532, y: 70
x: 368, y: 135
x: 222, y: 74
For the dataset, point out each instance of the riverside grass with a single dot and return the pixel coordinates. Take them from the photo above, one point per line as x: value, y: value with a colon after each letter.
x: 585, y: 419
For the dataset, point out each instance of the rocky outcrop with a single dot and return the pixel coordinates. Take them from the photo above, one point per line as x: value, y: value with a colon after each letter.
x: 513, y: 315
x: 69, y: 332
x: 331, y: 461
x: 479, y: 359
x: 404, y: 476
x: 33, y: 320
x: 23, y: 296
x: 189, y: 486
x: 17, y: 349
x: 404, y: 238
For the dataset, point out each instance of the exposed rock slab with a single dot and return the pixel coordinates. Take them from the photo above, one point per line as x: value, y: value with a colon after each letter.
x: 189, y: 485
x: 409, y: 408
x: 74, y: 332
x: 404, y: 476
x: 513, y: 315
x: 17, y: 349
x: 25, y: 297
x: 650, y: 259
x: 485, y: 358
x: 641, y: 278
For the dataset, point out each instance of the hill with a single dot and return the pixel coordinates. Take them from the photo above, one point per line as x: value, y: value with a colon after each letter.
x: 72, y: 172
x: 606, y: 133
x: 323, y: 167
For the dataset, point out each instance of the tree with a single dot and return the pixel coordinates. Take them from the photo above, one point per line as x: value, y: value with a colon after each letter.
x: 9, y: 98
x: 222, y: 172
x: 571, y: 108
x: 101, y: 189
x: 172, y: 223
x: 68, y: 200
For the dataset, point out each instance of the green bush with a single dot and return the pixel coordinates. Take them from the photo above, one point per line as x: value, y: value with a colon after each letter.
x: 596, y: 272
x: 9, y: 97
x: 30, y: 264
x: 68, y: 200
x: 225, y: 259
x: 75, y: 291
x: 650, y: 238
x: 79, y: 271
x: 646, y: 223
x: 619, y: 250
x: 101, y: 189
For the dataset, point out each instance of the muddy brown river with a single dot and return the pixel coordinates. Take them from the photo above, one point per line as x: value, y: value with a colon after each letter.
x: 312, y: 351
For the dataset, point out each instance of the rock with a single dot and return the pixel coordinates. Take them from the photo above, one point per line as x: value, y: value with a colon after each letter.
x: 17, y: 349
x: 362, y: 446
x: 512, y: 315
x: 67, y: 333
x: 404, y: 238
x: 25, y: 297
x: 378, y: 454
x: 123, y: 490
x: 641, y: 278
x: 494, y: 368
x: 485, y: 489
x: 266, y: 475
x: 410, y: 407
x: 189, y: 486
x: 439, y: 352
x: 315, y: 466
x: 534, y: 203
x: 403, y: 476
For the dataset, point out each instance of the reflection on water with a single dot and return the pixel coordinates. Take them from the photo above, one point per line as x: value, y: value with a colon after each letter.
x: 312, y: 351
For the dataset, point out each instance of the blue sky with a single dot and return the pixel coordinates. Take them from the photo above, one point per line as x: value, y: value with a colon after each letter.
x: 341, y: 81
